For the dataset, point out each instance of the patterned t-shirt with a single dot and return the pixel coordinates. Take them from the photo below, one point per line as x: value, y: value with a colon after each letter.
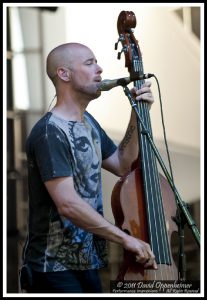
x: 57, y: 148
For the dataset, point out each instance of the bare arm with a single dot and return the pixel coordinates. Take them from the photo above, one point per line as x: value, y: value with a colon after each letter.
x: 71, y: 206
x: 127, y: 152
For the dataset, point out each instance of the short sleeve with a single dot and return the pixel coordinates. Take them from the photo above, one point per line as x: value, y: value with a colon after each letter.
x: 52, y: 154
x: 107, y: 145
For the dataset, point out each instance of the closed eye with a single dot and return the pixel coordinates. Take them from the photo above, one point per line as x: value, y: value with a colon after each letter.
x: 90, y: 61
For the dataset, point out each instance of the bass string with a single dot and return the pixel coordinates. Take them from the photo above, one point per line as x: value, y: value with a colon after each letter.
x: 146, y: 165
x: 158, y: 209
x: 155, y: 209
x: 153, y: 189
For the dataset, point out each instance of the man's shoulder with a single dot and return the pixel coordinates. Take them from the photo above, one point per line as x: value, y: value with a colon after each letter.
x: 42, y: 127
x: 42, y: 122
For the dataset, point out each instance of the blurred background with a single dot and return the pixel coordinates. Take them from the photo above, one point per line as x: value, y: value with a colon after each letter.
x: 170, y: 39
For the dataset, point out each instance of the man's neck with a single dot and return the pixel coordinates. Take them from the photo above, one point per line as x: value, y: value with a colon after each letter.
x: 70, y: 109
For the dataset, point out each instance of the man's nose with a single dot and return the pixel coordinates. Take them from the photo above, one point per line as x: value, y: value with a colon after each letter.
x: 99, y: 69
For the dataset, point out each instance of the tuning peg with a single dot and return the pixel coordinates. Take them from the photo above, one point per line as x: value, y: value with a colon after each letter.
x: 121, y: 39
x: 124, y: 49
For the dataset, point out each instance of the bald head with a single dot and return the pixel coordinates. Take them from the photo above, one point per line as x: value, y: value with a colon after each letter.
x: 62, y: 56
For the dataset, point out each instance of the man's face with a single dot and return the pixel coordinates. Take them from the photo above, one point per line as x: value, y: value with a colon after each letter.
x: 85, y: 73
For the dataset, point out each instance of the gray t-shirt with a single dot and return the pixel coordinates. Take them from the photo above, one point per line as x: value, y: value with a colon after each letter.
x: 57, y: 148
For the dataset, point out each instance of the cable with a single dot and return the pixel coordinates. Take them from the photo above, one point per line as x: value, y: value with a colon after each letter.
x: 164, y: 132
x: 51, y: 102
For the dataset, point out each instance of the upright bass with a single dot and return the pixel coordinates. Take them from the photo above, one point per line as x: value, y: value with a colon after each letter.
x: 143, y: 203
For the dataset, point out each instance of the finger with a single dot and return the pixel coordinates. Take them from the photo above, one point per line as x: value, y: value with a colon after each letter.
x: 147, y: 84
x: 141, y: 259
x: 144, y: 86
x: 155, y: 266
x: 150, y: 263
x: 150, y: 253
x: 146, y: 261
x: 143, y: 90
x: 134, y: 89
x: 146, y: 97
x: 144, y: 256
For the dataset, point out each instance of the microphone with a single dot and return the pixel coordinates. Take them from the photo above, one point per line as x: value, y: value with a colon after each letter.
x: 107, y: 84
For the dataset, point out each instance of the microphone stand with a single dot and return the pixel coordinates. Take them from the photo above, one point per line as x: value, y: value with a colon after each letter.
x: 185, y: 214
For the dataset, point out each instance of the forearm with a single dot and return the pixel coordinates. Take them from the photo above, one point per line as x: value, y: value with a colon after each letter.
x: 128, y: 148
x: 84, y: 216
x: 70, y: 205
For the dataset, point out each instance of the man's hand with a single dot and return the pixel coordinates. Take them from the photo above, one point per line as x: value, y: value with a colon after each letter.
x: 142, y: 251
x: 144, y: 93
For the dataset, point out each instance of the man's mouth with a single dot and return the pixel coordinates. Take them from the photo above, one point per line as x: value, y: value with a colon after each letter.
x: 98, y: 79
x: 98, y: 82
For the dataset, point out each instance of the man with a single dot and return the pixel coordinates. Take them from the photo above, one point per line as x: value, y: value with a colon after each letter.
x: 66, y: 149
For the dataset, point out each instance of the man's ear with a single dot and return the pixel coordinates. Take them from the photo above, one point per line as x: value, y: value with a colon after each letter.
x: 63, y: 73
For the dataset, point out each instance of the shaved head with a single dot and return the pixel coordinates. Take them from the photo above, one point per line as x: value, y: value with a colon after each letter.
x: 62, y: 56
x: 73, y: 69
